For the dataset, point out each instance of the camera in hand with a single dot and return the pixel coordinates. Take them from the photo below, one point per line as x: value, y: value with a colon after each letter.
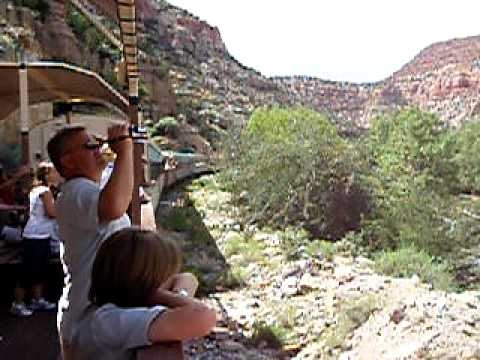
x: 137, y: 133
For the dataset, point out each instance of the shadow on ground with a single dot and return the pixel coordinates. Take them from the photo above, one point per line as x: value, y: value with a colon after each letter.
x: 35, y: 337
x: 177, y: 217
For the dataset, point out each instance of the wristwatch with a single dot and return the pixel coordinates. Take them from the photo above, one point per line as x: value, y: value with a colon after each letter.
x: 182, y: 292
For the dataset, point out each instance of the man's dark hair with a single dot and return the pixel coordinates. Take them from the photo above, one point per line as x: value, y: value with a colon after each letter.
x: 57, y: 144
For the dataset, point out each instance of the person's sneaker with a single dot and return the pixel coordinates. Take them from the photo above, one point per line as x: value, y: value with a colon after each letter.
x: 20, y: 309
x: 41, y: 304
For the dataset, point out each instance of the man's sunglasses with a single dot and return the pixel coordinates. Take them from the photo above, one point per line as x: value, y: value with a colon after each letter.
x: 89, y: 145
x: 92, y: 145
x: 98, y: 143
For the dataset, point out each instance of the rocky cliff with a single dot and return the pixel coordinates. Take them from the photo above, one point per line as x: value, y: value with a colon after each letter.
x: 213, y: 88
x: 188, y: 73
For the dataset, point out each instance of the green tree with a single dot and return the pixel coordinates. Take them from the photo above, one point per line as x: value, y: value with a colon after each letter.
x: 413, y: 181
x: 282, y: 165
x: 166, y: 126
x: 468, y: 157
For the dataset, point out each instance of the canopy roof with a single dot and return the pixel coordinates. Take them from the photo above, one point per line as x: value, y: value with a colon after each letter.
x: 49, y: 81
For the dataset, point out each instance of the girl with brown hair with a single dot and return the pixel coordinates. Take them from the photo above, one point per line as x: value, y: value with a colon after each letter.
x: 138, y: 298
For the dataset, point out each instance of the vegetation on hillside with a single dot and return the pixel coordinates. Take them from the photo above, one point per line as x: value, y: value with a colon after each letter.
x: 283, y: 165
x: 41, y: 6
x: 396, y: 191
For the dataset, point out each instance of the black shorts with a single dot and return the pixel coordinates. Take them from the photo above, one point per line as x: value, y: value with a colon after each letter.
x: 36, y: 256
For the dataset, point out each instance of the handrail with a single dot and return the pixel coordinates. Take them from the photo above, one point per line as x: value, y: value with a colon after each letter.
x: 167, y: 351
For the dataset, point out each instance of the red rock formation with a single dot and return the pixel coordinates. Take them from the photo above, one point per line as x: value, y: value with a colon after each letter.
x: 163, y: 100
x: 57, y: 39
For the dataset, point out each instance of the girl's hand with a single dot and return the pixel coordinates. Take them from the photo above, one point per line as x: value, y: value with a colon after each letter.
x: 183, y: 281
x: 186, y: 282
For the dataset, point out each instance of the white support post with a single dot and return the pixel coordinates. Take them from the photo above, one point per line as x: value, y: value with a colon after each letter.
x: 24, y: 113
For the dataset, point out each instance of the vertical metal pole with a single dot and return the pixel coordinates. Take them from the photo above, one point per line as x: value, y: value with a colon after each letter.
x: 136, y: 214
x: 68, y: 113
x: 24, y: 114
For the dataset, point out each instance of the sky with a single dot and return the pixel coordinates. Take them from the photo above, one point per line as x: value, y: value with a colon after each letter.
x: 343, y: 40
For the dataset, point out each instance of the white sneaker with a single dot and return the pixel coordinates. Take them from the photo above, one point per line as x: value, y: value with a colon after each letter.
x: 41, y: 304
x: 20, y: 309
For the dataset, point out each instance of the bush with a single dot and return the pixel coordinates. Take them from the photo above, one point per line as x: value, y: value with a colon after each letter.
x: 283, y: 165
x: 351, y: 315
x: 41, y: 6
x: 468, y: 157
x: 409, y: 261
x: 167, y: 126
x: 412, y: 182
x: 84, y: 31
x: 93, y: 38
x: 162, y: 69
x: 399, y: 184
x: 77, y: 22
x: 143, y: 91
x: 322, y: 248
x: 234, y: 277
x: 177, y: 220
x: 270, y: 335
x: 414, y: 144
x: 291, y: 241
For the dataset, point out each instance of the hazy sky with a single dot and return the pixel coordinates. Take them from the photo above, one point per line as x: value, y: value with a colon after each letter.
x: 352, y: 40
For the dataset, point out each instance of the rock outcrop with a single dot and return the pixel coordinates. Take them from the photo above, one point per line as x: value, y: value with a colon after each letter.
x: 57, y: 39
x: 188, y: 73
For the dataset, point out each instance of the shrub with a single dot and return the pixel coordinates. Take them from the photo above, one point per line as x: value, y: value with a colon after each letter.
x: 321, y: 247
x: 408, y: 261
x: 111, y: 78
x: 41, y: 6
x: 93, y: 38
x: 351, y: 315
x: 283, y: 165
x: 167, y: 126
x: 468, y: 157
x: 162, y: 69
x: 272, y: 335
x: 143, y: 91
x: 415, y: 144
x: 246, y: 250
x: 177, y: 220
x: 84, y: 31
x: 291, y: 241
x: 77, y: 22
x: 412, y: 182
x: 234, y: 277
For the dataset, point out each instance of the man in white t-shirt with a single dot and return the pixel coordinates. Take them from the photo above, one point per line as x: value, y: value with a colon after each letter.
x: 87, y: 214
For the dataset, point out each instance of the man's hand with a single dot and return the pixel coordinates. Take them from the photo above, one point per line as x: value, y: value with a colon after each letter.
x: 116, y: 132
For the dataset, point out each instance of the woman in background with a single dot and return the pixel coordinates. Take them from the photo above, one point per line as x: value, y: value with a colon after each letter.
x: 37, y: 237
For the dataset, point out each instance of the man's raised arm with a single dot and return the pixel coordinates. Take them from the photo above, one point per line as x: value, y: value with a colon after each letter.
x: 117, y: 193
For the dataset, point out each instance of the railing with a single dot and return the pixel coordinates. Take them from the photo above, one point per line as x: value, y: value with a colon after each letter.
x: 170, y: 351
x: 184, y: 169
